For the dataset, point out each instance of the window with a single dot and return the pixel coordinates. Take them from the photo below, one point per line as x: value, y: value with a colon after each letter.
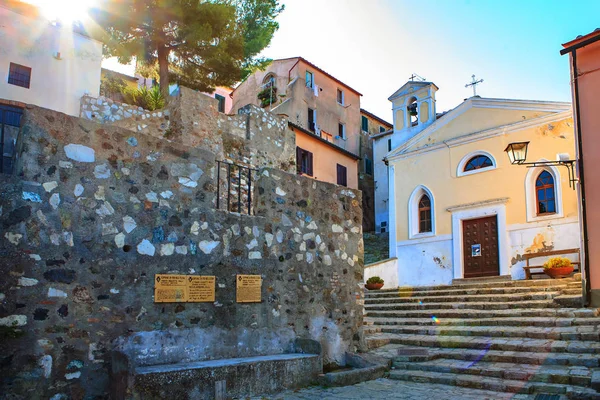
x: 342, y: 131
x: 309, y: 79
x: 475, y: 162
x: 389, y: 144
x: 421, y: 213
x: 19, y: 75
x: 478, y: 162
x: 10, y: 122
x: 269, y: 81
x: 381, y: 129
x: 340, y: 97
x: 312, y: 119
x: 221, y: 100
x: 412, y: 110
x: 364, y: 124
x: 304, y: 161
x: 424, y: 214
x: 368, y: 166
x: 342, y: 175
x: 544, y: 194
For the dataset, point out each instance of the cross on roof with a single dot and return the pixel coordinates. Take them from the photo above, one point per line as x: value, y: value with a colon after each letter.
x: 474, y: 83
x: 418, y: 77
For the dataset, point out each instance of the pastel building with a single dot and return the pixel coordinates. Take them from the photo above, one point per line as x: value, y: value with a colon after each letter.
x: 323, y: 112
x: 584, y: 55
x: 45, y: 64
x: 457, y: 207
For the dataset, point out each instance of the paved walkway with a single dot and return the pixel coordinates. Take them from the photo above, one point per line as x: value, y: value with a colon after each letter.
x: 391, y: 389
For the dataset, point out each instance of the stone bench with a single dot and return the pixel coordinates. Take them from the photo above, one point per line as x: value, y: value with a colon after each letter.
x: 136, y: 377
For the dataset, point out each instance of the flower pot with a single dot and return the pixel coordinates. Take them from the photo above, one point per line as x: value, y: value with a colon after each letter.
x: 373, y: 286
x: 562, y: 272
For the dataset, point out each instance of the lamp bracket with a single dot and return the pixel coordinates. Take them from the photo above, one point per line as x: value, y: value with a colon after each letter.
x: 569, y: 164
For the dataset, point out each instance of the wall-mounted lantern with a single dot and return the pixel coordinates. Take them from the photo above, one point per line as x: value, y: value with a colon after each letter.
x: 517, y: 154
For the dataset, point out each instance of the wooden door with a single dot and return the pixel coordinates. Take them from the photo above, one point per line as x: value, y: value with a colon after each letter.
x: 480, y: 247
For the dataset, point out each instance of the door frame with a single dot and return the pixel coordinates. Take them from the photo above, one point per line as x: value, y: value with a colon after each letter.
x: 488, y: 208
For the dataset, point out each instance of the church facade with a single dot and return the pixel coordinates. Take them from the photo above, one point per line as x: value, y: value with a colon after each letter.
x: 457, y: 207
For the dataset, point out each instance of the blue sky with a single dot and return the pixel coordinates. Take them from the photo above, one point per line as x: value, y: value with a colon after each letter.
x: 375, y: 45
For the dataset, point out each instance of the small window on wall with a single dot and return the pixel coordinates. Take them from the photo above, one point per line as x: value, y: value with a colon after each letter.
x: 478, y: 162
x: 312, y: 119
x: 425, y: 214
x: 19, y: 75
x: 304, y: 161
x: 368, y: 166
x: 309, y: 79
x: 221, y: 100
x: 340, y: 97
x: 364, y: 124
x: 342, y: 175
x: 342, y: 131
x: 544, y: 194
x: 381, y: 129
x: 389, y: 144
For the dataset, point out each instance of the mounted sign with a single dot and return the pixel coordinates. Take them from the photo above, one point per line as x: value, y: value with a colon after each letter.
x: 184, y: 288
x: 248, y: 288
x: 475, y: 250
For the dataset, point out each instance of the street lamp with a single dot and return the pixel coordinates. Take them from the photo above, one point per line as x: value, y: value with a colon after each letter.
x: 517, y: 154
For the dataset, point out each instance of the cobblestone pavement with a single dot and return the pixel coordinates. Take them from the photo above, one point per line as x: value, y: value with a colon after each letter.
x: 391, y: 389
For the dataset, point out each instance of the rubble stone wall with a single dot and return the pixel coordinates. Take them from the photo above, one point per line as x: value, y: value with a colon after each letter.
x: 98, y: 210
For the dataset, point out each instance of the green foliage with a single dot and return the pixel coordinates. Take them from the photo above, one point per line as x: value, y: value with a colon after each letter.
x: 374, y: 279
x: 267, y: 96
x: 149, y: 99
x: 199, y: 44
x: 112, y: 87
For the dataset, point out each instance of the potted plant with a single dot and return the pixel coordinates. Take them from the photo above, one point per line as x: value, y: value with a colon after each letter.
x: 374, y: 283
x: 558, y: 267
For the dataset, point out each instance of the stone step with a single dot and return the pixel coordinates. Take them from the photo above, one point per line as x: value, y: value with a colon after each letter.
x: 508, y: 321
x: 488, y: 279
x: 493, y: 343
x: 494, y: 356
x: 482, y: 285
x: 582, y: 333
x: 566, y: 375
x: 574, y: 291
x: 533, y: 304
x: 452, y: 291
x: 495, y: 384
x: 466, y: 298
x: 518, y: 312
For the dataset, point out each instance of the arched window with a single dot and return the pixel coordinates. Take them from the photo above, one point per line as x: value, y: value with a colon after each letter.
x: 413, y: 112
x: 269, y: 81
x: 544, y: 194
x: 425, y: 214
x: 478, y: 162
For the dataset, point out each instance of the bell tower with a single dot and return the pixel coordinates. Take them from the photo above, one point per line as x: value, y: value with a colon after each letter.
x: 414, y: 109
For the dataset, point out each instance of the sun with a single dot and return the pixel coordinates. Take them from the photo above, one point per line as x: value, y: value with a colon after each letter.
x: 66, y: 11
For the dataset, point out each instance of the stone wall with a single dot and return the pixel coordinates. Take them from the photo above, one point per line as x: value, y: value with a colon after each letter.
x: 98, y: 210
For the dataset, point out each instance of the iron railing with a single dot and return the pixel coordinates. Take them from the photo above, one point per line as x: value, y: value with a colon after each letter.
x: 234, y: 187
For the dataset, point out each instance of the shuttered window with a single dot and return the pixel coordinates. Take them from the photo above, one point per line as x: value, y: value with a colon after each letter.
x: 365, y: 124
x: 342, y: 175
x: 304, y: 161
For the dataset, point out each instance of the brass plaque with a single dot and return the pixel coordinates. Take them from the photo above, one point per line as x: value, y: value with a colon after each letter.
x: 248, y: 288
x: 184, y: 288
x: 170, y: 288
x: 201, y: 289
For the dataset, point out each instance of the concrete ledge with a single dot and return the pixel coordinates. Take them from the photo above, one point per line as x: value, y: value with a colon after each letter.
x: 365, y: 367
x: 226, y: 378
x: 380, y: 262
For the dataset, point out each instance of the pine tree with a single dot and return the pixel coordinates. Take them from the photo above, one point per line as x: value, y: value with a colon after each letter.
x: 200, y: 44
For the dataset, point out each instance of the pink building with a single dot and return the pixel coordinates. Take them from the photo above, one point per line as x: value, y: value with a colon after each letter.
x: 584, y: 53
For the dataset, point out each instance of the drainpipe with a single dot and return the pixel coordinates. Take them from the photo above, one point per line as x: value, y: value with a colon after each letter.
x: 586, y: 261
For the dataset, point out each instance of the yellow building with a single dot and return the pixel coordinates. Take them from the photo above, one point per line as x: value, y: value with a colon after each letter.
x: 458, y: 208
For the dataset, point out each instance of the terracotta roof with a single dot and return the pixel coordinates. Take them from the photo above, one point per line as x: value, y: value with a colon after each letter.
x: 321, y: 71
x: 363, y: 111
x: 343, y: 151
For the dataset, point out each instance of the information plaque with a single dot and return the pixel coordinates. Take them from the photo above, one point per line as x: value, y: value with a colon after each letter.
x: 248, y: 288
x: 184, y: 288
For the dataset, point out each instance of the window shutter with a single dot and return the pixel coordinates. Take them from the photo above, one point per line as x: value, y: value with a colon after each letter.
x: 309, y: 156
x: 298, y: 160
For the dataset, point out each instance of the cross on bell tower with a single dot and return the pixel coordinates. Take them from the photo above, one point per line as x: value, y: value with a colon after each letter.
x: 474, y: 83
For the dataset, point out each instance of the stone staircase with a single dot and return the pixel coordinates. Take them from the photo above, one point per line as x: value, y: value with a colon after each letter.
x: 527, y: 337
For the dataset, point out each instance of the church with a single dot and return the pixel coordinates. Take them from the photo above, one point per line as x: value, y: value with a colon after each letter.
x: 456, y: 205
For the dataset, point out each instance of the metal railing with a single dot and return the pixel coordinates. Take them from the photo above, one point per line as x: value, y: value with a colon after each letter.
x: 234, y: 187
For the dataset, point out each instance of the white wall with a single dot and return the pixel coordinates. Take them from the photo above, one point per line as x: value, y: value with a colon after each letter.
x: 425, y: 262
x: 386, y: 270
x: 380, y: 171
x: 55, y: 84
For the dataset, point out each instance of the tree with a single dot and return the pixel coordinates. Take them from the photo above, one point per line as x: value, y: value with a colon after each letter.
x: 198, y: 43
